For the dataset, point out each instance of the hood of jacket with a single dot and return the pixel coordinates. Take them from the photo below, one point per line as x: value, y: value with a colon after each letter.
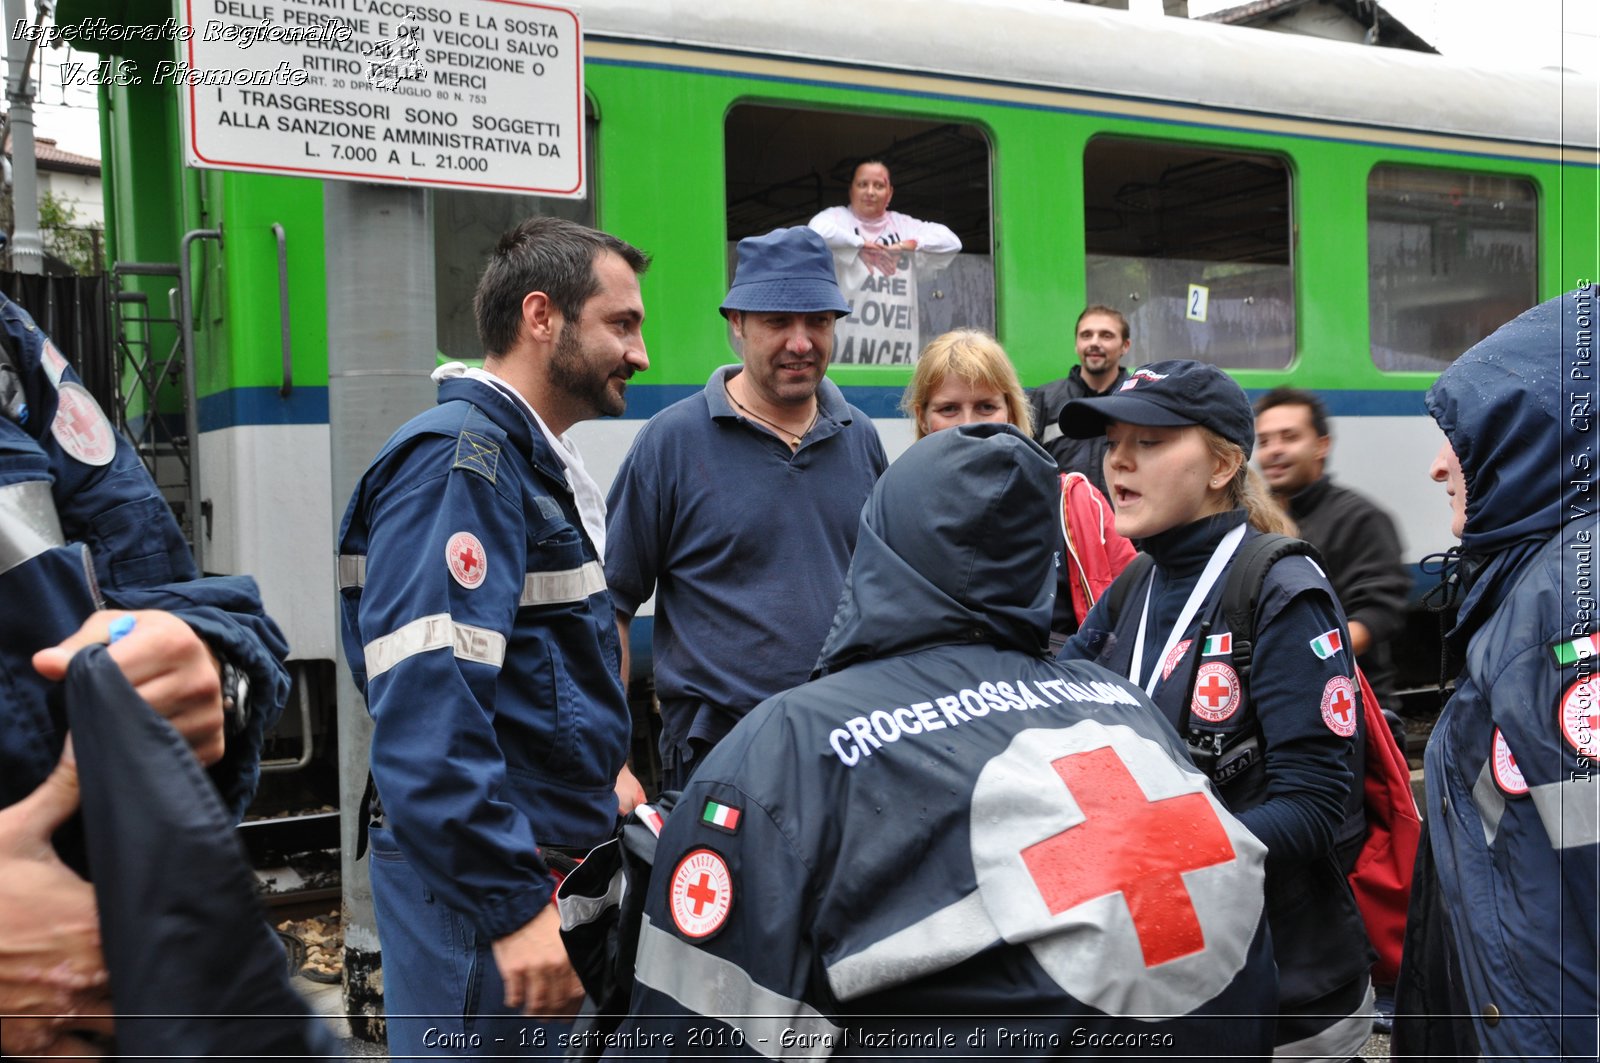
x: 958, y: 544
x: 1518, y: 409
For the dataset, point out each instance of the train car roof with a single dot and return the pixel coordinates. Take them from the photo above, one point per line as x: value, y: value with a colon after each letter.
x: 1081, y: 48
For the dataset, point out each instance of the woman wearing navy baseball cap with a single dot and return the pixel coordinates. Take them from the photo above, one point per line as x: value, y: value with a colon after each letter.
x: 1270, y: 714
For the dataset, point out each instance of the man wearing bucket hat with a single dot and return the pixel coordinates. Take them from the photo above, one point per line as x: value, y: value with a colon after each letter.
x: 738, y: 506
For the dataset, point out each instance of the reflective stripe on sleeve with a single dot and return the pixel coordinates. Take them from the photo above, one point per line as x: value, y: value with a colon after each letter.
x: 712, y: 986
x: 28, y: 523
x: 569, y: 585
x: 538, y: 588
x: 1339, y: 1040
x: 435, y: 633
x: 1570, y: 811
x: 951, y: 935
x: 1491, y: 804
x: 352, y: 570
x: 576, y: 909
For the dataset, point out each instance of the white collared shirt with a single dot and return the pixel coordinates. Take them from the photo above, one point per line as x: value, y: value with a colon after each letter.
x: 585, y: 492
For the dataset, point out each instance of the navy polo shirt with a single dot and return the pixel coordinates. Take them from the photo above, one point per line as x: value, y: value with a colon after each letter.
x: 744, y: 543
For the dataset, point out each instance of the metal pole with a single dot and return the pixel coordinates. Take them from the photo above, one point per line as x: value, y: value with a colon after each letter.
x: 283, y: 310
x: 27, y: 245
x: 191, y: 390
x: 382, y: 335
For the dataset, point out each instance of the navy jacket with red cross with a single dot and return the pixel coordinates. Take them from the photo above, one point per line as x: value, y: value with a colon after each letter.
x: 83, y: 526
x: 477, y: 624
x: 950, y: 843
x: 1513, y: 764
x: 1283, y: 747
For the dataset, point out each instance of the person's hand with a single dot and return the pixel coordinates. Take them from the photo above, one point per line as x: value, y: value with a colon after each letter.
x: 533, y: 963
x: 53, y: 980
x: 630, y: 794
x: 166, y: 663
x: 879, y: 259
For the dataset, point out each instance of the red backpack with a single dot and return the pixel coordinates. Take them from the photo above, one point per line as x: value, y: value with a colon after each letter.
x: 1381, y: 879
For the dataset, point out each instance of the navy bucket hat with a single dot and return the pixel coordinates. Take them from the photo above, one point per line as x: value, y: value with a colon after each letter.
x: 1168, y: 395
x: 785, y: 271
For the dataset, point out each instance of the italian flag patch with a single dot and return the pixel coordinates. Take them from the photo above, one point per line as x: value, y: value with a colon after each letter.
x: 1217, y: 645
x: 1577, y: 650
x: 721, y: 816
x: 1327, y: 644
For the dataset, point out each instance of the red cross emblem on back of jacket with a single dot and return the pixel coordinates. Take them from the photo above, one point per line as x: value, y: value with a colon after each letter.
x: 1131, y: 845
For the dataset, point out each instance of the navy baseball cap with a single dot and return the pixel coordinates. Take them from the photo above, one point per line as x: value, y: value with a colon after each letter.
x: 785, y: 271
x: 1168, y: 395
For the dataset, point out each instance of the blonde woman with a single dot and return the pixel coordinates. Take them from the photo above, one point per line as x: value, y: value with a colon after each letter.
x: 964, y: 377
x: 1281, y: 740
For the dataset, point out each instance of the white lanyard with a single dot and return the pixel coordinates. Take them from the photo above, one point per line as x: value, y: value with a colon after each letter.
x: 1208, y: 578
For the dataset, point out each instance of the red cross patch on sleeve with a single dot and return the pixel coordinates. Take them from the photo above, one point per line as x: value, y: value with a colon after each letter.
x: 1216, y: 692
x: 1173, y: 658
x: 80, y: 427
x: 1580, y: 716
x: 701, y: 894
x: 469, y: 563
x: 1506, y: 773
x: 1339, y: 706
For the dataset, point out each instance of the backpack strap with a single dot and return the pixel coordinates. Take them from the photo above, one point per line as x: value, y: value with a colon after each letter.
x: 1134, y: 575
x: 1241, y: 595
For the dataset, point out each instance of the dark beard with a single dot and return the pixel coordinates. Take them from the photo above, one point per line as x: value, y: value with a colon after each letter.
x: 573, y: 376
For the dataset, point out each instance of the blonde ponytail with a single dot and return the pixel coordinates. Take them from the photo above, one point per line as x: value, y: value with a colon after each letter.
x: 1246, y: 490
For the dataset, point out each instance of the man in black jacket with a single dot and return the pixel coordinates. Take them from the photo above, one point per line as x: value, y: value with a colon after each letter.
x: 1356, y: 538
x: 1103, y: 340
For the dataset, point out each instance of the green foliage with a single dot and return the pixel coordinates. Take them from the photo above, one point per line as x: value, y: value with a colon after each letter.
x: 76, y: 245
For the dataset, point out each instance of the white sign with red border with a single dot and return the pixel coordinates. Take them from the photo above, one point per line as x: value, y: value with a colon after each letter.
x: 473, y: 94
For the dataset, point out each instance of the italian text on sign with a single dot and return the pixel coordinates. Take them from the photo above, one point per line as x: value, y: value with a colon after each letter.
x: 478, y: 94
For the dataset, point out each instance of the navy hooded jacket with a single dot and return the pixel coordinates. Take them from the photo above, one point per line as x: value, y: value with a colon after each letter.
x: 83, y: 526
x: 196, y: 971
x: 950, y: 843
x: 1513, y: 799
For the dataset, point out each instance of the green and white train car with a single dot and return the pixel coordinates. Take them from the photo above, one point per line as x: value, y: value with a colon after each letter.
x: 1353, y: 217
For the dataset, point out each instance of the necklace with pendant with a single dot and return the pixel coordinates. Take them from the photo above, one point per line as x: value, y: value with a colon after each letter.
x: 794, y: 440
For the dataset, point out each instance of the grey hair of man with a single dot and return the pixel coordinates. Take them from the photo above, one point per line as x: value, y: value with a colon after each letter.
x: 542, y: 254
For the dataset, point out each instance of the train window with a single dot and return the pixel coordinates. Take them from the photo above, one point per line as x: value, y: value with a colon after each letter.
x: 1192, y: 245
x: 786, y: 166
x: 1451, y: 256
x: 466, y: 228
